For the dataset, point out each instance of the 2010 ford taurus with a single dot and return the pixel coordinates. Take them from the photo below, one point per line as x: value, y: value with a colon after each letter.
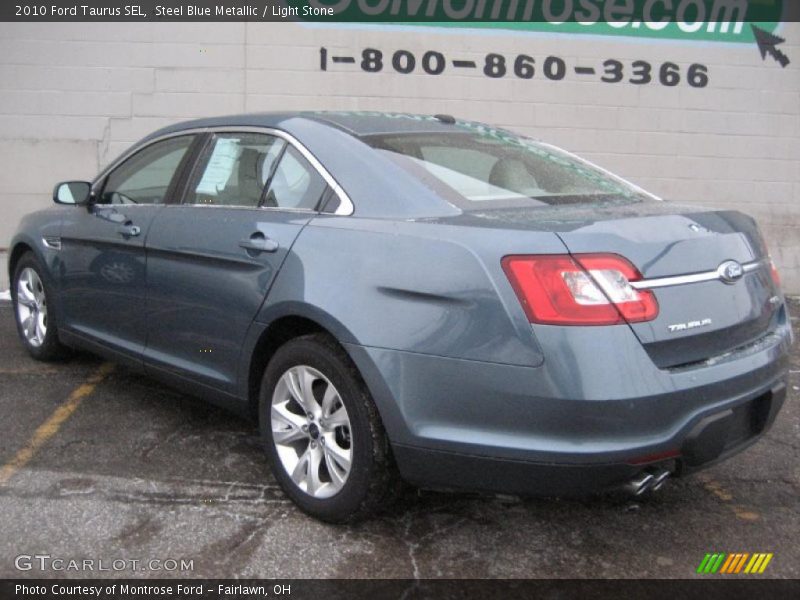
x: 419, y: 299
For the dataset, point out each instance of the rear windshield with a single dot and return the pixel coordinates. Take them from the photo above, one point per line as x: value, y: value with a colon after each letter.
x: 490, y: 168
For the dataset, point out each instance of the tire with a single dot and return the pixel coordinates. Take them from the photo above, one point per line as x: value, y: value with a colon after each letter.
x: 32, y: 282
x: 372, y: 479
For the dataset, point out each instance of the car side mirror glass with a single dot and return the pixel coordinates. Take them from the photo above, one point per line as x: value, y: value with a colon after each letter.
x: 76, y: 193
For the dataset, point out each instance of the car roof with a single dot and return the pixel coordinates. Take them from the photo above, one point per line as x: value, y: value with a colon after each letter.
x: 356, y: 123
x: 377, y: 123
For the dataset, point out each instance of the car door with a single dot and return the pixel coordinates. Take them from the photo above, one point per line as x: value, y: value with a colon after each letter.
x: 213, y: 257
x: 102, y: 260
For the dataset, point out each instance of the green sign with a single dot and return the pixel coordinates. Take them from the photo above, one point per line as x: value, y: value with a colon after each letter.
x: 701, y: 20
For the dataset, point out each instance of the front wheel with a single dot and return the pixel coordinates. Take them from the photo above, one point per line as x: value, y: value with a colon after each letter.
x: 31, y: 296
x: 322, y: 432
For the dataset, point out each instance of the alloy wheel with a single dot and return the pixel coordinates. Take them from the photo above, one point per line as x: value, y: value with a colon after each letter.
x: 311, y: 431
x: 32, y: 307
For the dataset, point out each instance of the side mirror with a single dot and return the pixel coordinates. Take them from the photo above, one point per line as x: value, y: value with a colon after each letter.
x: 76, y: 193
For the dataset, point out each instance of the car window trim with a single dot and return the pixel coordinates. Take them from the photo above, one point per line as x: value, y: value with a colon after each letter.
x: 187, y: 167
x: 273, y: 169
x: 346, y: 207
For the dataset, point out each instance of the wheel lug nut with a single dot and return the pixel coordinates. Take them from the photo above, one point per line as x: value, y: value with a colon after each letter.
x: 304, y: 427
x: 313, y: 444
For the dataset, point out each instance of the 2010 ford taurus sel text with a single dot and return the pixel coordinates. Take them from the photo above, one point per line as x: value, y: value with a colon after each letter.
x: 420, y: 299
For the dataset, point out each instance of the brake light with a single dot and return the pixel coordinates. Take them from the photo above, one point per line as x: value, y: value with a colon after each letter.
x: 776, y: 277
x: 584, y: 289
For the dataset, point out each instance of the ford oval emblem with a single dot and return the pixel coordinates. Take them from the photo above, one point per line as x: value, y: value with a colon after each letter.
x: 730, y: 271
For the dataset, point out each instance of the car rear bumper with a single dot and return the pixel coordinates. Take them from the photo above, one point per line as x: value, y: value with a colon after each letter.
x: 526, y: 430
x: 712, y: 439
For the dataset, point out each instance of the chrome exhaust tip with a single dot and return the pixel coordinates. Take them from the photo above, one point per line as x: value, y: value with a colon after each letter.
x: 640, y: 484
x: 659, y: 479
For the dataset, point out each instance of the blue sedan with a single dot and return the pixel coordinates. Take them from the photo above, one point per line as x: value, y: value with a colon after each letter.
x: 400, y: 298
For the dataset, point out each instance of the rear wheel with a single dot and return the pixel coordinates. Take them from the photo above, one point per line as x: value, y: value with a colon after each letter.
x: 322, y: 432
x: 31, y: 295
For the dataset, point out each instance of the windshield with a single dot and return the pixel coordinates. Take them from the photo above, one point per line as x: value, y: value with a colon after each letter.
x: 491, y: 168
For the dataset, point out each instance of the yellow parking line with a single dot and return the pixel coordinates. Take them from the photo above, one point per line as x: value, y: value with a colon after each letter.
x: 49, y: 428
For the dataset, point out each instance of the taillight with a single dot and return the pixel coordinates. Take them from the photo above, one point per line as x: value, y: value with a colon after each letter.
x: 776, y: 277
x: 582, y: 289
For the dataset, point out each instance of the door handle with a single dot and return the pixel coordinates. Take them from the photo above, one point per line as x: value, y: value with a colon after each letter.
x: 258, y: 243
x: 129, y: 230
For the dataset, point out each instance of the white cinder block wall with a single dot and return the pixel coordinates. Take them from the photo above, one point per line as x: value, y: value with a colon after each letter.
x: 73, y: 96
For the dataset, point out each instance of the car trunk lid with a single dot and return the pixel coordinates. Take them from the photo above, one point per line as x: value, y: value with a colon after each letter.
x: 685, y: 259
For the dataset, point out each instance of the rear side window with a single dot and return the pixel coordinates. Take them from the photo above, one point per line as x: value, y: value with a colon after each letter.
x: 255, y: 170
x: 145, y: 177
x: 296, y: 184
x: 235, y: 170
x: 480, y: 167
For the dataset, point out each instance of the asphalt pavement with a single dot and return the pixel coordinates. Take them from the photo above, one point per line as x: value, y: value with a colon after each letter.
x: 104, y: 465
